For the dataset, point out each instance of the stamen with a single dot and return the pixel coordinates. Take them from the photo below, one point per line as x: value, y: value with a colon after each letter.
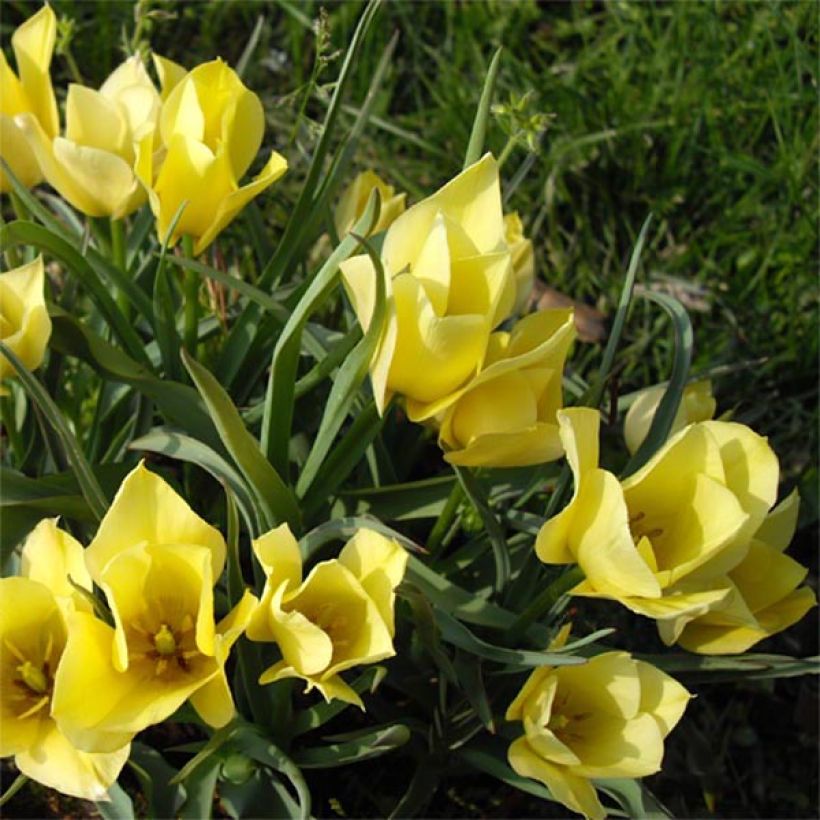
x: 34, y: 709
x: 14, y: 650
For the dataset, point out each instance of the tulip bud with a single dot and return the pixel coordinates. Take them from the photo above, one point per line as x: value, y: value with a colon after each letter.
x: 354, y: 200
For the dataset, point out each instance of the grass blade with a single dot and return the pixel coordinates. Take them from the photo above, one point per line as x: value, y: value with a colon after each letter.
x: 89, y: 486
x: 475, y: 147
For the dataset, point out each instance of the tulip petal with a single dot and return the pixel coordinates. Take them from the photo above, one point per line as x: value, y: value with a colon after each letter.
x: 541, y: 681
x: 752, y: 470
x: 545, y: 744
x: 433, y: 355
x: 607, y: 684
x: 432, y: 266
x: 661, y: 696
x: 614, y: 748
x: 234, y: 202
x: 55, y: 763
x: 94, y: 121
x: 537, y: 444
x: 214, y: 701
x: 33, y: 44
x: 124, y: 703
x: 147, y: 509
x: 16, y: 151
x: 278, y: 554
x: 777, y: 530
x: 53, y: 556
x: 169, y: 73
x: 600, y: 538
x: 766, y: 576
x: 575, y: 792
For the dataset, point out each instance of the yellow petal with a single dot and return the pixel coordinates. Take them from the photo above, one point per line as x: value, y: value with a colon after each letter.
x: 777, y: 530
x: 547, y: 746
x: 124, y: 703
x: 766, y: 575
x: 131, y: 89
x: 541, y: 680
x: 169, y: 73
x: 33, y: 44
x: 670, y: 474
x: 600, y: 538
x: 615, y: 748
x: 379, y: 564
x: 707, y: 529
x: 214, y: 701
x: 278, y: 553
x: 304, y: 645
x: 576, y: 793
x: 24, y: 321
x: 354, y: 199
x: 606, y: 684
x: 94, y: 121
x: 473, y: 200
x: 52, y: 556
x: 147, y: 509
x: 15, y: 150
x: 752, y: 470
x: 235, y: 201
x: 31, y: 630
x: 433, y: 356
x: 662, y: 697
x: 55, y: 763
x: 532, y: 445
x: 334, y: 688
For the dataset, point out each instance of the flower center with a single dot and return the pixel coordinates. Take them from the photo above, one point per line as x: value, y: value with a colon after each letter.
x: 33, y: 677
x: 164, y: 641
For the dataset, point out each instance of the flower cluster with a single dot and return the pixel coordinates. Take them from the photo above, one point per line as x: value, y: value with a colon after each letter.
x: 147, y: 614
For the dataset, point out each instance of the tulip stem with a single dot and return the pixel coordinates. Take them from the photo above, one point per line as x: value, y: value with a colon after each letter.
x: 118, y: 258
x: 445, y: 519
x: 191, y: 289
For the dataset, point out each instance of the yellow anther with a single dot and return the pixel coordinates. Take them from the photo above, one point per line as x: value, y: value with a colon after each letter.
x: 559, y: 722
x: 164, y: 641
x: 33, y: 677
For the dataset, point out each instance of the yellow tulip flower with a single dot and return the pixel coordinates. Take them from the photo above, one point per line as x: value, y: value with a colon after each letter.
x: 354, y: 200
x: 211, y: 128
x: 33, y: 612
x: 605, y: 718
x: 340, y: 616
x: 523, y: 259
x: 156, y: 562
x: 505, y: 416
x: 661, y: 541
x: 765, y: 598
x: 25, y: 326
x: 449, y: 283
x: 170, y: 74
x: 697, y: 404
x: 92, y: 165
x: 29, y: 94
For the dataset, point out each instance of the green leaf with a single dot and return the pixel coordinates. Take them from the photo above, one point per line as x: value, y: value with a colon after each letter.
x: 372, y: 744
x: 667, y: 409
x: 279, y: 397
x: 352, y: 373
x: 15, y: 787
x: 200, y: 786
x: 264, y: 751
x: 276, y: 501
x: 177, y: 445
x: 344, y: 457
x: 752, y: 666
x: 341, y: 529
x: 633, y: 797
x: 596, y: 391
x: 155, y: 773
x: 454, y: 632
x: 179, y: 403
x: 30, y: 234
x: 89, y: 486
x: 402, y: 502
x: 498, y: 543
x: 475, y: 147
x: 119, y: 807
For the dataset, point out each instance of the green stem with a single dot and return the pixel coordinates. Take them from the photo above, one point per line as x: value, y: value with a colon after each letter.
x: 546, y: 600
x: 118, y: 258
x: 445, y: 519
x: 7, y: 416
x: 191, y: 288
